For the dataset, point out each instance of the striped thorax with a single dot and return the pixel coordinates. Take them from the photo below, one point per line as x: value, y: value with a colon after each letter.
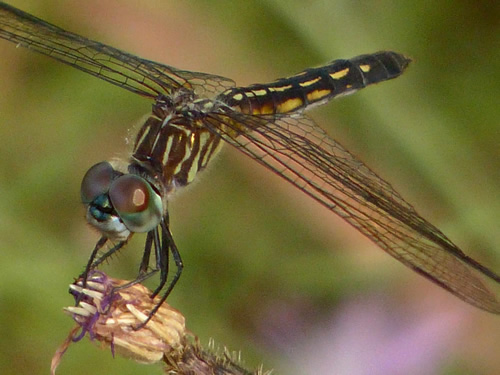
x: 174, y: 144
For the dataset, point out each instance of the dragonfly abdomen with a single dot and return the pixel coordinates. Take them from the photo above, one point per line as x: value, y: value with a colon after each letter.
x: 315, y: 86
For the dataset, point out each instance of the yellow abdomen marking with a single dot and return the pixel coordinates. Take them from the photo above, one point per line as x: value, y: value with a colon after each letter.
x: 289, y: 105
x: 365, y: 68
x: 266, y: 109
x: 310, y: 82
x: 238, y: 97
x: 317, y: 94
x: 340, y: 74
x: 259, y: 92
x: 280, y: 88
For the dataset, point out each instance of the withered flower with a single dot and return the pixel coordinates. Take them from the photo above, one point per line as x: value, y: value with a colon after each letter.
x: 111, y: 316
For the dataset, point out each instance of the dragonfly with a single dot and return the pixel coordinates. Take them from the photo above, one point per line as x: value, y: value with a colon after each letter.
x: 194, y: 114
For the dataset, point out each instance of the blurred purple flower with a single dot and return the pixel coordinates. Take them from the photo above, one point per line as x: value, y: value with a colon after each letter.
x: 364, y: 338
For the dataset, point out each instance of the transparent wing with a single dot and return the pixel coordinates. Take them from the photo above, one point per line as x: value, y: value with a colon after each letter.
x: 296, y: 149
x: 143, y: 77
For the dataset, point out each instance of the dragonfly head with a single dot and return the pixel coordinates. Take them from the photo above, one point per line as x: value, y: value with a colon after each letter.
x: 119, y: 204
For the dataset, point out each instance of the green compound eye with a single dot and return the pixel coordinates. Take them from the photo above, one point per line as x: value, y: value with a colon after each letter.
x: 137, y: 204
x: 96, y: 182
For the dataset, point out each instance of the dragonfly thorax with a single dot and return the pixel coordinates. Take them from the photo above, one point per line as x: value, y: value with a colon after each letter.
x: 174, y: 144
x: 183, y: 103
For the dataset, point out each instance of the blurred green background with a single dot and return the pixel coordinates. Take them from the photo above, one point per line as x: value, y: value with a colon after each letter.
x: 267, y: 270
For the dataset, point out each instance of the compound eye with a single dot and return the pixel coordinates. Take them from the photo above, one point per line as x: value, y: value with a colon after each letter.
x: 96, y: 181
x: 137, y: 204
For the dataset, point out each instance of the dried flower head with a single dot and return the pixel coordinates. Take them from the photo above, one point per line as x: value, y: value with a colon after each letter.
x: 111, y: 317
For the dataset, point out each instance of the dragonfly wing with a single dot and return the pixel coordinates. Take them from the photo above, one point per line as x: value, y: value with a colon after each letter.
x: 204, y: 85
x: 143, y: 77
x: 299, y: 151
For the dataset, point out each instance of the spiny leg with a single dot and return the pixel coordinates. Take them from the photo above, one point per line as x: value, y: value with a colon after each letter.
x: 167, y: 244
x: 95, y: 261
x: 151, y: 238
x: 162, y: 258
x: 88, y: 267
x: 143, y: 268
x: 161, y: 253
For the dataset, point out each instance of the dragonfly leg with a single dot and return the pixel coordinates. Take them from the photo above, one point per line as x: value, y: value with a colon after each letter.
x: 144, y: 274
x: 162, y: 260
x: 106, y: 255
x: 175, y: 255
x: 143, y: 268
x: 95, y: 260
x: 88, y: 267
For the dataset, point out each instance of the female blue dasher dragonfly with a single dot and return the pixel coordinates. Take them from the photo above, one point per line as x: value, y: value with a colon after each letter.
x: 192, y: 112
